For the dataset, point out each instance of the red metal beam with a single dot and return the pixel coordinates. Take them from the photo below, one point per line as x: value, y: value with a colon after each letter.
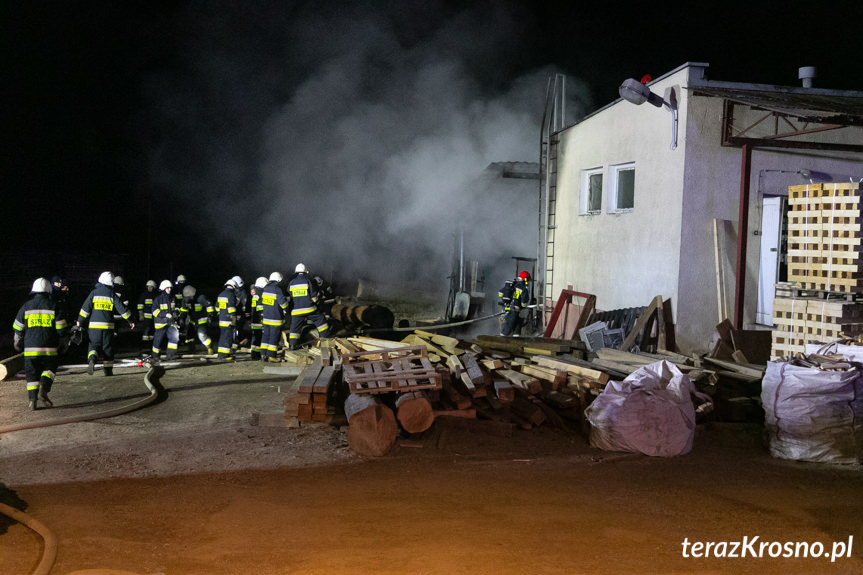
x: 742, y: 236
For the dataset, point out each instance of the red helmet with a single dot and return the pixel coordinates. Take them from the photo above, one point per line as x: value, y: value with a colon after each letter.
x: 524, y: 275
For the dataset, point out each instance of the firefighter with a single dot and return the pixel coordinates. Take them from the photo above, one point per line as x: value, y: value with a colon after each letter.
x: 275, y: 306
x: 60, y: 295
x: 179, y: 284
x: 227, y: 307
x: 304, y: 297
x: 198, y: 310
x: 326, y: 295
x: 120, y: 290
x: 165, y: 322
x: 256, y: 317
x: 98, y: 311
x: 145, y: 313
x: 39, y: 333
x: 519, y: 298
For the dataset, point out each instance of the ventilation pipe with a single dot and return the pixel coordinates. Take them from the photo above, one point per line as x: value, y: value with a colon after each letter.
x: 807, y: 74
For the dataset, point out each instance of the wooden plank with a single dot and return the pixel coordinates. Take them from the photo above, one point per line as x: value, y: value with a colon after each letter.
x: 733, y: 367
x: 324, y: 380
x: 520, y: 380
x: 441, y: 340
x: 308, y: 377
x: 641, y: 323
x: 472, y: 369
x: 586, y: 372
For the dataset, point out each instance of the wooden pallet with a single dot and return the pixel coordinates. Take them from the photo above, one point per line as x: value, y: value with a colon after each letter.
x: 397, y: 369
x: 825, y: 236
x: 798, y: 321
x: 798, y: 290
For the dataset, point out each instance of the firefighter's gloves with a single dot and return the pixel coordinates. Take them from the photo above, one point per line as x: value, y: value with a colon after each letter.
x: 18, y: 342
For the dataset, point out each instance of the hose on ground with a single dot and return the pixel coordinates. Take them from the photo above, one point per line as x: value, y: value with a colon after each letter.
x: 152, y: 374
x: 49, y: 554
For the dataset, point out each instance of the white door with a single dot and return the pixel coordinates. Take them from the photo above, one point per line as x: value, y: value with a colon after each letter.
x: 768, y: 269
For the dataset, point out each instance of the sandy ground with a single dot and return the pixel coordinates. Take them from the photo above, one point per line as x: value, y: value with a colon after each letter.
x: 188, y: 485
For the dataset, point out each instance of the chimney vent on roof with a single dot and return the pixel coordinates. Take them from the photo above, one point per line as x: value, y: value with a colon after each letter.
x: 807, y: 73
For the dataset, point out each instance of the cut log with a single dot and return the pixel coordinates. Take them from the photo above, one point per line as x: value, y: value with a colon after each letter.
x: 372, y: 427
x: 414, y: 412
x: 10, y: 366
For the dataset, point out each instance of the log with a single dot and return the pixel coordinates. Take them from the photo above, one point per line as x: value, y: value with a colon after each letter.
x: 414, y: 412
x: 10, y: 366
x: 372, y: 426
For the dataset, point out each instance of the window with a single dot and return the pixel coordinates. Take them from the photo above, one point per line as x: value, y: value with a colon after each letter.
x: 621, y: 193
x: 590, y: 200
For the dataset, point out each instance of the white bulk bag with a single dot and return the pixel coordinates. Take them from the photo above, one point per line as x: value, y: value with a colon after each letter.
x: 649, y: 412
x: 810, y: 414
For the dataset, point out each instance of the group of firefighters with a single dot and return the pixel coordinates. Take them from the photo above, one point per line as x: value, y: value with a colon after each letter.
x: 166, y: 313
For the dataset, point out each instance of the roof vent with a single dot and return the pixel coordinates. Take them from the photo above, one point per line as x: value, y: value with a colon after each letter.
x: 807, y: 73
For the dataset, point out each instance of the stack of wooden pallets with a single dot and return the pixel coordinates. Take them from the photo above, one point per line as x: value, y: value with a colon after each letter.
x: 822, y: 300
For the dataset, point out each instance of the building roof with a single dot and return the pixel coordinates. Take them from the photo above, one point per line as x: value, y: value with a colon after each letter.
x: 838, y: 107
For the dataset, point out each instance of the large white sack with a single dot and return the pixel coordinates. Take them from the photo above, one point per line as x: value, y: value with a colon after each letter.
x: 649, y: 412
x: 813, y: 415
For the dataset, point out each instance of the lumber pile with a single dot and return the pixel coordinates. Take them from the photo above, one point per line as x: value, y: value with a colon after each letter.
x: 821, y: 300
x: 384, y: 387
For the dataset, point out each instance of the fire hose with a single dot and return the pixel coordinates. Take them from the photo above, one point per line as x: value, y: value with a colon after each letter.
x: 49, y: 554
x: 154, y: 373
x: 446, y: 325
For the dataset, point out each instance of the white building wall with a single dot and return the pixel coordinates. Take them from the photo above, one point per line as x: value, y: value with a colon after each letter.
x: 665, y: 246
x: 624, y: 258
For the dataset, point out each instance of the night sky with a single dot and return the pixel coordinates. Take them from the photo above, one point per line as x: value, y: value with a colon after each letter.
x: 235, y: 137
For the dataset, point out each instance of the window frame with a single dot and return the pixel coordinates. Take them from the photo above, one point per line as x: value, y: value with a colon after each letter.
x: 584, y: 196
x: 613, y: 187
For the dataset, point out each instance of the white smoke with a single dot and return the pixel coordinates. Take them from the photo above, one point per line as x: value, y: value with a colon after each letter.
x: 340, y: 143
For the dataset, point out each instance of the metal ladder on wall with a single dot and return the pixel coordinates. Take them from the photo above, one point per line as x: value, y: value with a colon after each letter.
x: 552, y: 122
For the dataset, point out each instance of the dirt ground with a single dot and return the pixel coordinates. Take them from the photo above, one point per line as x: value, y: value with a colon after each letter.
x: 188, y: 485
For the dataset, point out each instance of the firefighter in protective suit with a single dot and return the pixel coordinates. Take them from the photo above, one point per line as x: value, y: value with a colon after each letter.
x: 145, y: 313
x: 275, y: 305
x: 39, y: 333
x: 98, y: 311
x: 198, y: 310
x: 226, y: 305
x: 518, y: 299
x: 304, y: 297
x: 256, y: 317
x: 164, y: 320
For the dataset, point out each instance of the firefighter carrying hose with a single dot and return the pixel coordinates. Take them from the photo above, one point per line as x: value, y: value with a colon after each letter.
x: 514, y: 297
x: 304, y: 297
x: 39, y: 333
x: 98, y: 311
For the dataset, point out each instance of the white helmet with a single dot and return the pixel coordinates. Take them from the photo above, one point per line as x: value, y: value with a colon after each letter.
x: 300, y: 269
x: 275, y: 277
x: 181, y: 279
x: 261, y: 282
x: 41, y: 285
x: 151, y: 283
x: 165, y: 285
x: 238, y: 281
x: 189, y: 292
x: 118, y: 281
x: 107, y: 279
x: 231, y: 282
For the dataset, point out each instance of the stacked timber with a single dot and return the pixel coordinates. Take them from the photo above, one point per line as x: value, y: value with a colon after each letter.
x: 825, y: 268
x: 384, y: 387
